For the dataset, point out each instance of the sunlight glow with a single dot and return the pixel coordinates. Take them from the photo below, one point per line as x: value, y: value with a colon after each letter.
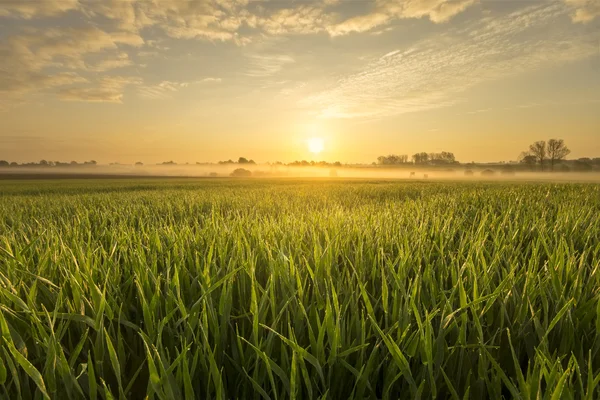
x: 316, y: 145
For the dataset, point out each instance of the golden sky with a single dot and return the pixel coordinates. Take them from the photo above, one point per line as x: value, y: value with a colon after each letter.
x: 206, y: 80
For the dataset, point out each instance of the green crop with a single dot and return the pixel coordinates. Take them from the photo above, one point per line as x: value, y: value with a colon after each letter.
x: 277, y: 289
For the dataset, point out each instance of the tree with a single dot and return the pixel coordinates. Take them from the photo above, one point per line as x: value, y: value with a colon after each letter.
x: 557, y: 151
x: 527, y: 158
x: 244, y: 160
x: 4, y: 163
x: 420, y: 158
x: 539, y: 151
x: 139, y: 164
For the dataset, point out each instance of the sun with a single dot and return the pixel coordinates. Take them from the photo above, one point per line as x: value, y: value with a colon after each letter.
x: 316, y: 145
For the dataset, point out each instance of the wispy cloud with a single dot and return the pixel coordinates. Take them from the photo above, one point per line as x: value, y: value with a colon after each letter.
x: 260, y: 65
x: 435, y: 72
x: 165, y: 88
x: 107, y: 90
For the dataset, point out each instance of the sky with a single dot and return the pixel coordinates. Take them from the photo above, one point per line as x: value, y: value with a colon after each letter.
x: 208, y: 80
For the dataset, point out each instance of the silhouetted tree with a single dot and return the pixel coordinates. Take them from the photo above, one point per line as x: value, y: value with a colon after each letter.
x: 243, y: 160
x: 420, y: 158
x: 539, y: 151
x: 527, y: 158
x: 4, y: 163
x: 557, y: 151
x: 392, y: 159
x: 14, y: 164
x: 139, y: 164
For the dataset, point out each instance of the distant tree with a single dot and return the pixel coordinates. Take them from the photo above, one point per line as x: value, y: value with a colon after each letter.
x: 241, y: 173
x: 44, y: 163
x: 557, y: 151
x: 420, y: 158
x: 230, y: 161
x: 91, y: 162
x: 74, y: 163
x: 487, y: 172
x: 392, y: 159
x: 169, y: 163
x: 539, y: 151
x: 4, y: 163
x: 337, y: 164
x: 243, y: 160
x: 527, y: 158
x: 444, y: 157
x: 596, y: 161
x: 14, y: 164
x: 468, y: 173
x: 139, y: 164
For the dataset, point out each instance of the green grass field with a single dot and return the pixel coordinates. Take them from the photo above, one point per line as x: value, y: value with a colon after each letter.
x: 280, y: 289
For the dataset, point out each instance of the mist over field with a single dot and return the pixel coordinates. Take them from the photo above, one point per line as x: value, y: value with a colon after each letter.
x: 461, y: 173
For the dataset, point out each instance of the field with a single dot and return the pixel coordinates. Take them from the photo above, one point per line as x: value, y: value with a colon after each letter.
x: 281, y: 289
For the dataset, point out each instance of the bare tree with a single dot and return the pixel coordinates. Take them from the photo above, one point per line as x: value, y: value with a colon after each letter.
x: 557, y: 151
x: 538, y: 150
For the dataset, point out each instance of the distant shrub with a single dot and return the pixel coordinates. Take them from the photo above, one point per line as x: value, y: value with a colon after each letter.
x: 469, y: 173
x: 241, y: 173
x: 213, y: 174
x: 488, y: 172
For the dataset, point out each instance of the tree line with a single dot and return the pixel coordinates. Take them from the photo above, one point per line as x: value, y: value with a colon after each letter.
x: 44, y: 163
x: 543, y: 155
x: 421, y: 158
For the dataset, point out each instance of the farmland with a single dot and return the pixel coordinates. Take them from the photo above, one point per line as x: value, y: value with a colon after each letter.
x: 281, y: 289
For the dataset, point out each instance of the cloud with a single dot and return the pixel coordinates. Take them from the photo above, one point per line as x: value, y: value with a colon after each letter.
x: 435, y: 10
x: 165, y: 88
x: 30, y: 9
x: 49, y: 59
x: 584, y: 10
x: 435, y: 72
x: 120, y: 60
x: 362, y: 23
x: 266, y: 65
x: 108, y: 90
x: 225, y: 20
